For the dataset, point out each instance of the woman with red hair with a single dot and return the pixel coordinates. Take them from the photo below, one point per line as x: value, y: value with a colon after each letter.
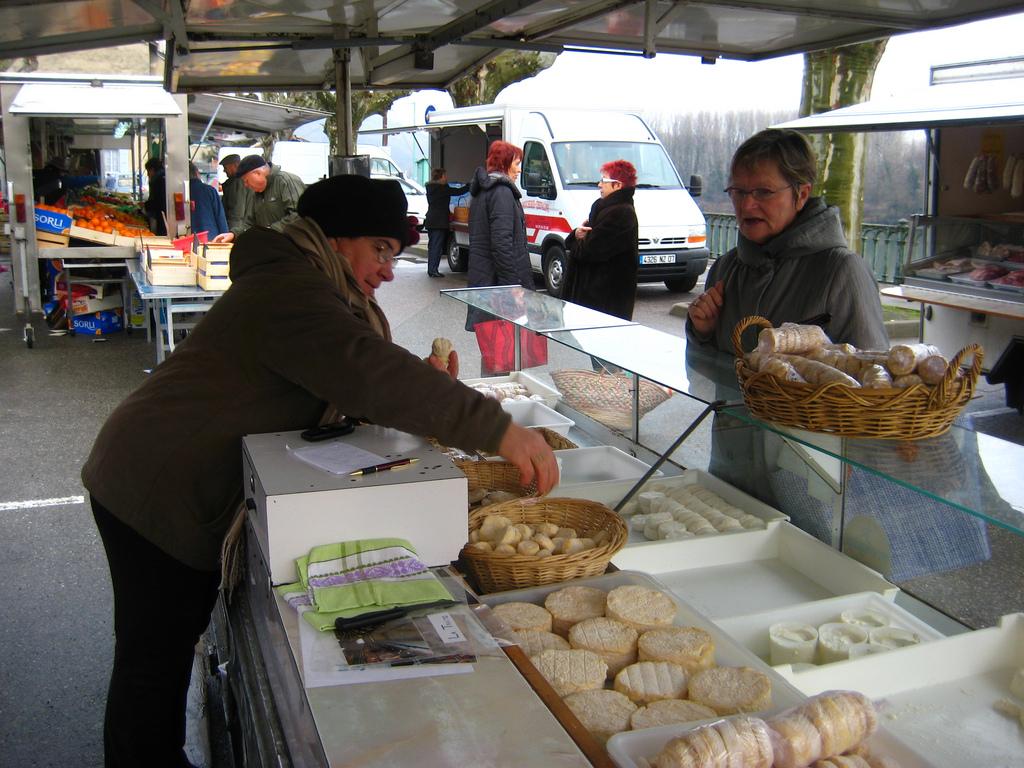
x: 497, y: 228
x: 603, y: 251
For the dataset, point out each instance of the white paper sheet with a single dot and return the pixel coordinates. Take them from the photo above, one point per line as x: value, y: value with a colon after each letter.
x: 337, y: 457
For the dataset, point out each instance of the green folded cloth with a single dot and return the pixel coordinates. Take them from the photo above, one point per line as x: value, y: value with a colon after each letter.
x: 355, y: 577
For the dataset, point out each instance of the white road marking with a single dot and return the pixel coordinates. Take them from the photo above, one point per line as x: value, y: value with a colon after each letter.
x: 6, y: 506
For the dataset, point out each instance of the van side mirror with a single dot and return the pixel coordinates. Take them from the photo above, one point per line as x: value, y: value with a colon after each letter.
x: 537, y: 186
x: 696, y: 187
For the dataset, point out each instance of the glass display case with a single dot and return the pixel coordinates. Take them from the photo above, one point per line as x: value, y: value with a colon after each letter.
x: 910, y: 509
x: 973, y: 256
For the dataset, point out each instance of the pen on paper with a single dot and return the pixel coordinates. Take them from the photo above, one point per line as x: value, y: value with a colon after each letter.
x: 383, y: 467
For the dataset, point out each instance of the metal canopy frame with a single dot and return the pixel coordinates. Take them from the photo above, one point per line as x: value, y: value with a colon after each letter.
x: 264, y: 45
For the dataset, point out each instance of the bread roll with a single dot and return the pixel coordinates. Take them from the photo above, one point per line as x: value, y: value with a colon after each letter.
x: 818, y: 373
x: 907, y: 381
x: 612, y: 640
x: 441, y: 348
x: 780, y: 369
x: 729, y: 690
x: 533, y: 641
x: 524, y: 616
x: 691, y: 648
x: 669, y: 711
x: 640, y: 607
x: 648, y: 681
x: 875, y: 377
x: 571, y: 671
x: 604, y: 713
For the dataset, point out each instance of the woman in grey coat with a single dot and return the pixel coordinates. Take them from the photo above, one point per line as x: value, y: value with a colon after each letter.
x: 792, y: 261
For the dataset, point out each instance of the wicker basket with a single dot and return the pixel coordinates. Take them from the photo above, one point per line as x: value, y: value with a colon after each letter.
x: 555, y: 440
x: 495, y: 476
x: 893, y: 414
x: 607, y: 397
x: 497, y: 573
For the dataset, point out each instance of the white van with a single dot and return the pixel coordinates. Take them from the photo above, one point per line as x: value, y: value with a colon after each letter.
x: 563, y: 151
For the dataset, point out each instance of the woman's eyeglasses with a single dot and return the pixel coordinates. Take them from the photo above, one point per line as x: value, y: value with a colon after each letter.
x: 609, y: 181
x: 383, y: 251
x: 760, y: 194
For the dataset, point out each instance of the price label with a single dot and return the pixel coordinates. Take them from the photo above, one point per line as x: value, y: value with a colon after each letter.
x: 446, y: 628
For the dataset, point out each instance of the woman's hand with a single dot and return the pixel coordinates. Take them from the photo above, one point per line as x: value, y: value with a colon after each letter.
x: 530, y: 452
x: 451, y: 367
x: 227, y: 237
x: 581, y: 231
x: 705, y: 309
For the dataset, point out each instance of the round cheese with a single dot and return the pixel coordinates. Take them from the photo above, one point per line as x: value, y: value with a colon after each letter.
x: 602, y: 712
x: 729, y: 690
x: 648, y: 681
x: 691, y: 648
x: 571, y: 671
x: 574, y: 604
x: 640, y: 607
x: 612, y: 640
x: 523, y: 616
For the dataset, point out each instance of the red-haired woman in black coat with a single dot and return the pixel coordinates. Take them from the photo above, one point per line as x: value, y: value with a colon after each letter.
x: 603, y: 251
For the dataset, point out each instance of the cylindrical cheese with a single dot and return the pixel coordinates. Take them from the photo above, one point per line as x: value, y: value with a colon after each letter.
x: 835, y: 639
x: 892, y: 637
x: 792, y: 642
x: 864, y: 617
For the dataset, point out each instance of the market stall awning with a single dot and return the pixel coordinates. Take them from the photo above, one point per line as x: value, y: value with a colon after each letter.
x: 290, y: 44
x: 85, y: 100
x: 966, y: 103
x: 248, y: 115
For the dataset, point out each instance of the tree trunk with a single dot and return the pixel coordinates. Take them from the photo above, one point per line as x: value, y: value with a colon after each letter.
x: 838, y: 78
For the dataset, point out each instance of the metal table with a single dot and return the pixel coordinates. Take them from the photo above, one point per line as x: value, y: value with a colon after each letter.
x: 168, y: 301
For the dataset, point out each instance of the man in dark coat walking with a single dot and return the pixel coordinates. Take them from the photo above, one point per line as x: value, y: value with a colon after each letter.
x: 603, y: 252
x: 437, y: 222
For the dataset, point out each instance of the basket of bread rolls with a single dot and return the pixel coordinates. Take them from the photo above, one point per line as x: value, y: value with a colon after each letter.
x: 797, y: 377
x: 533, y: 541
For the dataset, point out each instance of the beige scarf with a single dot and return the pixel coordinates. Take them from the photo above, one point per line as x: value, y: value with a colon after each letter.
x: 310, y: 239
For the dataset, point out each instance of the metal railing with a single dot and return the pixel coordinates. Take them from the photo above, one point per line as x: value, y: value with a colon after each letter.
x: 882, y: 245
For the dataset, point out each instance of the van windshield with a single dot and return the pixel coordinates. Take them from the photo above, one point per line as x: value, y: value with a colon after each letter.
x: 579, y: 162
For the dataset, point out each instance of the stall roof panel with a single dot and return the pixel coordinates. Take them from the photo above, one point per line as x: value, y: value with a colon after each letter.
x: 84, y: 100
x: 977, y: 103
x: 287, y: 44
x: 249, y: 115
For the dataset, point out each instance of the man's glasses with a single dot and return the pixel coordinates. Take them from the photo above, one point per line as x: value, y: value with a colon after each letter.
x: 760, y: 194
x: 383, y: 251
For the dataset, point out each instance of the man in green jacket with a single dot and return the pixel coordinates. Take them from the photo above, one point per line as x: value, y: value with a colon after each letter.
x: 234, y: 191
x: 273, y: 199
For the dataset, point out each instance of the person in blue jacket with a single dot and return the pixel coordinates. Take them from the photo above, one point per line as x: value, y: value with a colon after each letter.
x: 207, y: 209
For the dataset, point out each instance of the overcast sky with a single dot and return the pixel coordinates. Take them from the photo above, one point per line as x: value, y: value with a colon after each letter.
x: 673, y: 83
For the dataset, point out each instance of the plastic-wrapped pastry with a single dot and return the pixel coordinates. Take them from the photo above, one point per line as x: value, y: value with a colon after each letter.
x: 932, y: 369
x: 737, y: 741
x: 791, y: 338
x: 780, y: 369
x: 819, y: 373
x: 907, y: 381
x: 904, y: 358
x: 875, y: 377
x: 828, y: 724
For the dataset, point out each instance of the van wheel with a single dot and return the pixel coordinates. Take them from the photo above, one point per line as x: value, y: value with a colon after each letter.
x: 681, y: 285
x: 554, y: 269
x: 457, y: 258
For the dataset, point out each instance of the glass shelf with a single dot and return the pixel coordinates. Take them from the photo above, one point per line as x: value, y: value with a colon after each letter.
x: 969, y: 471
x: 534, y: 311
x: 659, y: 357
x: 973, y: 472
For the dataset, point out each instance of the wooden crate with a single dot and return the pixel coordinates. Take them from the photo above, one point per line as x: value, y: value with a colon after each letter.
x: 213, y: 268
x: 213, y: 282
x: 51, y: 239
x: 92, y: 236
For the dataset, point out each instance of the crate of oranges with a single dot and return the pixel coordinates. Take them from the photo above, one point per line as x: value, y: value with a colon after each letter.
x: 98, y: 222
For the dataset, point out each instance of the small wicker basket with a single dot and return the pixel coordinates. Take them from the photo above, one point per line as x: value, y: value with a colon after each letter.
x: 497, y: 573
x: 607, y: 397
x: 495, y: 476
x: 913, y: 413
x: 556, y: 441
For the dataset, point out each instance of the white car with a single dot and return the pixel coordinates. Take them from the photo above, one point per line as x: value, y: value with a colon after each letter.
x: 415, y: 198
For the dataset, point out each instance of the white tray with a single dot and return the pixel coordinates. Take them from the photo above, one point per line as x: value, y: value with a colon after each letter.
x: 532, y: 384
x: 756, y: 571
x: 530, y: 413
x: 634, y: 749
x: 581, y: 469
x: 751, y: 631
x: 727, y: 651
x: 938, y: 696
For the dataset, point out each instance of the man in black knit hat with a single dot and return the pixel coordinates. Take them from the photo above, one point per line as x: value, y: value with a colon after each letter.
x: 297, y: 340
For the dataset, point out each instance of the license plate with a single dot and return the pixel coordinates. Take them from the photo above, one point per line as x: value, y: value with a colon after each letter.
x: 658, y: 258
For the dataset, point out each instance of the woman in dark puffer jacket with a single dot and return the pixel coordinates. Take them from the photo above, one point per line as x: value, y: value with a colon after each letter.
x: 497, y: 227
